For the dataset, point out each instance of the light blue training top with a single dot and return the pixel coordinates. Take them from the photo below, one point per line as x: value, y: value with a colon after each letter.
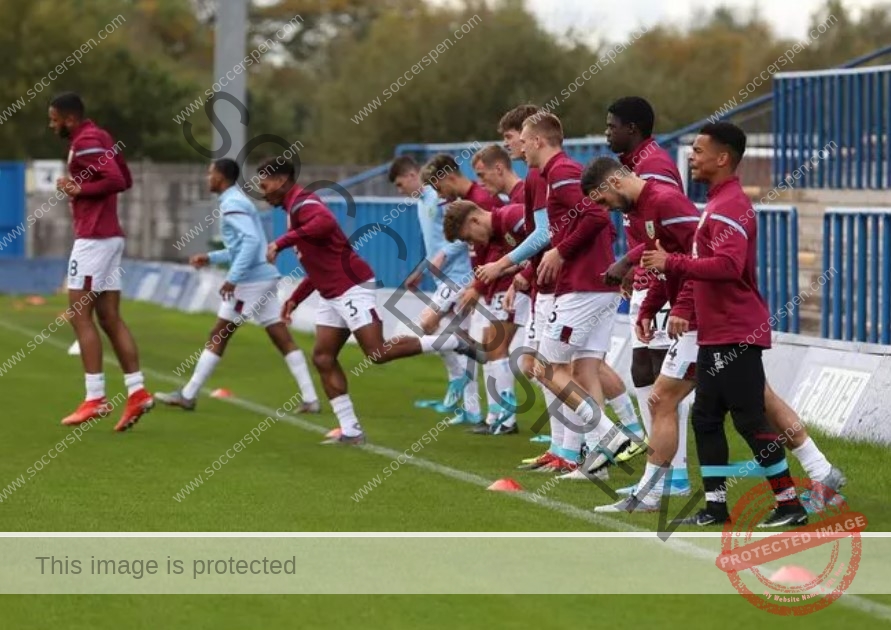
x: 244, y: 239
x: 431, y: 211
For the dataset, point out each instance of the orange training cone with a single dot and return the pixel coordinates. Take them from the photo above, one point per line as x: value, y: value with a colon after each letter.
x: 505, y: 485
x: 221, y: 393
x: 35, y: 300
x: 792, y: 575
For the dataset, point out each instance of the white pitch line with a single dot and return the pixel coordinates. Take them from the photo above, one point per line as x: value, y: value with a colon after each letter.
x: 857, y: 602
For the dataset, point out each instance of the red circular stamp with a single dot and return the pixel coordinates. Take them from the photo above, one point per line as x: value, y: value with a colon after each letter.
x: 833, y: 533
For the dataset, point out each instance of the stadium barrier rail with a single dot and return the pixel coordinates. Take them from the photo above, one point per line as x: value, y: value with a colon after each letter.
x: 857, y: 301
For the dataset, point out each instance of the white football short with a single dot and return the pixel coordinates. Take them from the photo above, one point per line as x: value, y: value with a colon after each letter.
x: 680, y: 362
x: 522, y: 309
x: 353, y: 310
x: 660, y: 340
x: 497, y: 310
x: 580, y: 326
x: 253, y: 301
x: 444, y: 298
x: 544, y: 305
x: 95, y: 264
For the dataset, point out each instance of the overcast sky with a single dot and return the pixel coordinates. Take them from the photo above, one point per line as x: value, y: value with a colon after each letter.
x: 614, y: 20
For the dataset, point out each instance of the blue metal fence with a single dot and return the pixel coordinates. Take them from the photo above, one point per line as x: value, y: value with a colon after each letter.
x: 857, y: 290
x: 12, y: 209
x: 385, y: 232
x: 833, y: 128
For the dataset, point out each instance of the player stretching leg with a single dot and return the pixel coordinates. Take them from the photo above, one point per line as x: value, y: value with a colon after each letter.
x: 728, y: 308
x: 97, y: 173
x: 443, y: 174
x: 250, y: 291
x: 346, y: 285
x: 501, y: 229
x: 449, y: 259
x: 579, y: 328
x: 629, y: 130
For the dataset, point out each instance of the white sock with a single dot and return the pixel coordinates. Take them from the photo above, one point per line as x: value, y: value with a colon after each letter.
x: 95, y: 386
x: 134, y: 382
x: 489, y: 383
x: 455, y: 364
x: 427, y: 341
x: 601, y: 429
x: 557, y: 427
x: 346, y: 416
x: 643, y: 405
x: 588, y: 412
x: 471, y: 390
x: 504, y: 381
x: 572, y: 435
x: 300, y: 371
x: 680, y: 457
x: 652, y: 475
x: 624, y: 408
x: 504, y: 376
x: 812, y: 460
x: 207, y: 362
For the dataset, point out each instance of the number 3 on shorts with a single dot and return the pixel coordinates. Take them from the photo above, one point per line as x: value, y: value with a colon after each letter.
x: 72, y: 270
x: 353, y: 310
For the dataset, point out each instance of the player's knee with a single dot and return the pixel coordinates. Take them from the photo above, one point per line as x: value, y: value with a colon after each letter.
x: 107, y: 321
x: 527, y: 366
x: 377, y: 356
x: 753, y: 425
x: 323, y: 360
x: 703, y: 423
x: 641, y: 368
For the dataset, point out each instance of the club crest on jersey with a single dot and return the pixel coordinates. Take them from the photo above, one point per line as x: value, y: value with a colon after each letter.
x: 651, y: 229
x: 510, y: 240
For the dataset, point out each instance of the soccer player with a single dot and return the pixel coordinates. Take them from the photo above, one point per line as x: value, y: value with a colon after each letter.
x: 493, y: 168
x: 346, y: 285
x: 501, y: 228
x: 730, y: 372
x: 629, y: 133
x: 670, y: 220
x: 452, y: 261
x: 577, y: 336
x: 249, y: 292
x: 444, y: 175
x: 537, y: 241
x: 668, y: 217
x: 97, y: 172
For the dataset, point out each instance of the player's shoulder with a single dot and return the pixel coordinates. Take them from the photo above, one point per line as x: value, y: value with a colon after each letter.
x: 670, y: 196
x: 429, y: 196
x: 92, y: 136
x: 564, y: 171
x: 236, y: 200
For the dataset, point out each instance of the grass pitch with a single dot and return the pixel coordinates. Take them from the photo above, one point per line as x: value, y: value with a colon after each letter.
x: 286, y: 482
